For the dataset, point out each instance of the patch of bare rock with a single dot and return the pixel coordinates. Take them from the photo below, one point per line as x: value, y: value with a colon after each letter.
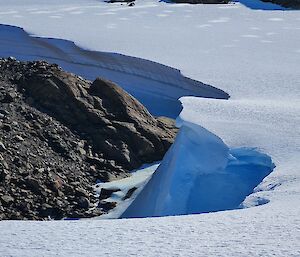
x: 60, y: 134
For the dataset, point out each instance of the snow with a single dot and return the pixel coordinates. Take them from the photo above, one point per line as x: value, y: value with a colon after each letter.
x: 138, y: 180
x: 251, y: 53
x: 200, y: 174
x: 148, y: 81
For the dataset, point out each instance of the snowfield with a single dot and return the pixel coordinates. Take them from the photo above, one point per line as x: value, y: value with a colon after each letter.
x: 250, y: 51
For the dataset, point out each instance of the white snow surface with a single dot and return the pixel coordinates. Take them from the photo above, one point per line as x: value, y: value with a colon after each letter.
x: 137, y: 180
x: 157, y: 86
x: 252, y: 54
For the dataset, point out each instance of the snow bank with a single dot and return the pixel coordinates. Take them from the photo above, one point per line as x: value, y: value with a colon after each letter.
x: 157, y: 86
x: 200, y: 174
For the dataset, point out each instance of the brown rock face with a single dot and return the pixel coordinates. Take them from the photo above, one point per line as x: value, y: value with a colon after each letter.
x: 59, y: 134
x: 115, y: 123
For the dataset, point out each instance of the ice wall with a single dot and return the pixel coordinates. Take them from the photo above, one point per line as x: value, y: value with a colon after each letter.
x: 200, y: 174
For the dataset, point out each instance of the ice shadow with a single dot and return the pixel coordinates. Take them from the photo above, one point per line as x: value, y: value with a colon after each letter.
x: 155, y: 85
x: 200, y: 174
x: 252, y: 4
x: 226, y: 191
x: 260, y: 5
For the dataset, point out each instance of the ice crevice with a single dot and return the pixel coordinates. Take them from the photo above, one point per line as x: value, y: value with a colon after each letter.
x: 200, y: 174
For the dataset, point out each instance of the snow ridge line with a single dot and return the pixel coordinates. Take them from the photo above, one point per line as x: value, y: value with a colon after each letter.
x: 68, y: 51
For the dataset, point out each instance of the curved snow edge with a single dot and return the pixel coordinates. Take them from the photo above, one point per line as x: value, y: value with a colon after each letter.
x: 148, y: 81
x: 200, y: 174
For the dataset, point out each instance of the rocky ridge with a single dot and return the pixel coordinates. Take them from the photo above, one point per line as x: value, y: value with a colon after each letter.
x: 60, y: 134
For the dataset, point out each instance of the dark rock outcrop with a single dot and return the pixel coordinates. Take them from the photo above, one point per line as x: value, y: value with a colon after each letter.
x: 117, y: 126
x: 128, y: 2
x: 59, y: 134
x: 286, y: 3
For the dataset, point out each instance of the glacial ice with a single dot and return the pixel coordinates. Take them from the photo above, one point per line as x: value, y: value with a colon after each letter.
x: 200, y: 174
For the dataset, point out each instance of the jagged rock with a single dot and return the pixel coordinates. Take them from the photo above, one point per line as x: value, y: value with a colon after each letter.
x: 33, y: 184
x: 6, y: 127
x: 83, y: 202
x: 7, y: 200
x: 121, y: 1
x: 61, y: 134
x: 114, y: 122
x: 81, y: 192
x: 19, y: 138
x: 106, y: 193
x: 106, y: 206
x: 3, y: 174
x: 129, y: 193
x: 2, y: 147
x: 8, y: 98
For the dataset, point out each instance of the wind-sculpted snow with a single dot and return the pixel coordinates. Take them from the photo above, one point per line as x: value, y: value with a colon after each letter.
x: 253, y: 55
x: 200, y: 174
x: 157, y: 86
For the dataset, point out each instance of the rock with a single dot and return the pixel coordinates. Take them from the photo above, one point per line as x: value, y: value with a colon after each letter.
x: 3, y: 163
x: 33, y: 184
x: 4, y: 112
x: 81, y: 151
x: 6, y: 127
x: 114, y: 122
x: 19, y: 138
x: 7, y: 200
x: 106, y: 193
x: 15, y: 215
x: 120, y: 1
x: 48, y: 211
x: 2, y: 147
x: 3, y: 174
x: 107, y: 206
x: 60, y: 134
x: 129, y: 193
x: 81, y: 192
x: 9, y: 97
x: 23, y: 206
x: 83, y: 202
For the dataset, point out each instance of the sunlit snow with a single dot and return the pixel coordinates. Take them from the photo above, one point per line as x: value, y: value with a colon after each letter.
x: 249, y: 50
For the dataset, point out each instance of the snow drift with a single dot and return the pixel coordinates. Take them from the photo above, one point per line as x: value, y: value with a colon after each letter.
x: 156, y: 86
x: 200, y: 174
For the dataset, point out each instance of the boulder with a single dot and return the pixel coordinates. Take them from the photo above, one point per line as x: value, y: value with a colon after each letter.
x: 106, y: 193
x: 116, y: 124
